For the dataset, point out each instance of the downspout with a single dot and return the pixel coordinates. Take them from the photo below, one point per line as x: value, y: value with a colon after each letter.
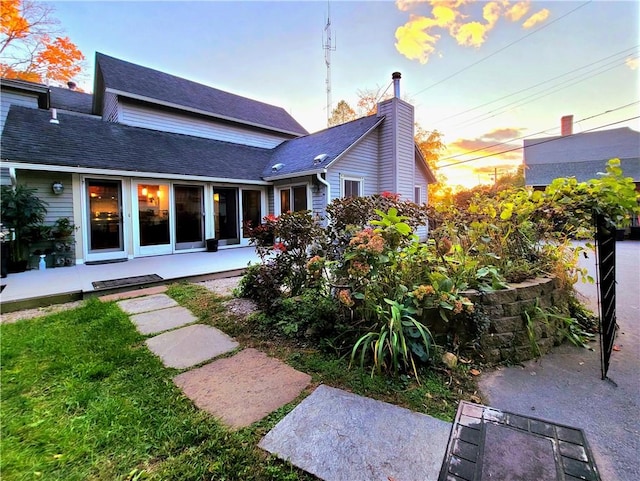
x: 327, y: 185
x: 12, y: 176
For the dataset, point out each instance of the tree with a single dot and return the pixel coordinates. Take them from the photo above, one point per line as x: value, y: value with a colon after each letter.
x: 31, y: 45
x: 342, y: 114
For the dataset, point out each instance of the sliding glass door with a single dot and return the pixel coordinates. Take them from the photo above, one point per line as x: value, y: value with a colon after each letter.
x: 189, y: 212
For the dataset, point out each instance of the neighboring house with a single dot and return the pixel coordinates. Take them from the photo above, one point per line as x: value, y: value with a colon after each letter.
x: 155, y: 164
x: 581, y: 155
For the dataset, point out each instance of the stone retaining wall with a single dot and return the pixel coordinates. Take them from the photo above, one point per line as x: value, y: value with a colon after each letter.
x: 506, y: 338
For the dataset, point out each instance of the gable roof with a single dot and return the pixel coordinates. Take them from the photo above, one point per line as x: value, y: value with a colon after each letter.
x: 297, y: 155
x: 71, y: 100
x: 142, y: 83
x: 85, y: 143
x: 581, y: 155
x: 40, y: 91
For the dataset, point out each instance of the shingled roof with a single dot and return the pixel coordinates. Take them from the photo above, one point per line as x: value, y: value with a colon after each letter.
x: 143, y: 83
x: 581, y: 155
x: 71, y: 100
x: 297, y: 155
x: 89, y: 143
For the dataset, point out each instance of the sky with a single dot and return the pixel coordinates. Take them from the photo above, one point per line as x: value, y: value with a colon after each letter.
x: 481, y: 73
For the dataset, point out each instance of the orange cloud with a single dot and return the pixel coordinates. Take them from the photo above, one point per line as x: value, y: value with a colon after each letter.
x: 536, y: 18
x: 414, y: 41
x: 632, y: 63
x: 503, y: 134
x: 517, y: 11
x: 417, y: 38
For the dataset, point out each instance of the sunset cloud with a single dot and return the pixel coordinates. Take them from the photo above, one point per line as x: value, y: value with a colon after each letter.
x: 517, y: 11
x: 536, y: 18
x: 417, y: 38
x: 485, y: 145
x: 632, y: 63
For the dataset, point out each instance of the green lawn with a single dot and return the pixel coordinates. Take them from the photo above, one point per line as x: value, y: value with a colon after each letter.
x: 84, y: 399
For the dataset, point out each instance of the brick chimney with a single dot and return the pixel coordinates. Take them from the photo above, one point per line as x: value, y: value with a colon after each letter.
x: 566, y: 125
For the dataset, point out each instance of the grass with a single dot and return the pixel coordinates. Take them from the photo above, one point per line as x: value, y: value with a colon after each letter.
x: 84, y: 399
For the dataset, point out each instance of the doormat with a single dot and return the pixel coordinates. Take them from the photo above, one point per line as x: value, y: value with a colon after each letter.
x: 126, y: 281
x: 487, y: 444
x: 110, y: 261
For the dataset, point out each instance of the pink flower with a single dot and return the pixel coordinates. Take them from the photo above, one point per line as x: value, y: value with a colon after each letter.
x: 344, y: 296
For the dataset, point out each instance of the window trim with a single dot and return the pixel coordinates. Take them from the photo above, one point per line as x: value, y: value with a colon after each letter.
x: 277, y: 206
x: 351, y: 178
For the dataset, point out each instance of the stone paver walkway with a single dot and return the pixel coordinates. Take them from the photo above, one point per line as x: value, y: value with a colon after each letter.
x: 340, y: 436
x: 243, y: 389
x: 239, y: 390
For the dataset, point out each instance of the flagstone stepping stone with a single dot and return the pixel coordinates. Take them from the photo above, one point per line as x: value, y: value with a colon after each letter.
x: 190, y: 345
x: 147, y: 303
x: 162, y: 320
x: 244, y: 388
x: 336, y: 435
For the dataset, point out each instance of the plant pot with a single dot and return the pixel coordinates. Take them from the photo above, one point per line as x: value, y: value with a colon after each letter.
x: 17, y: 266
x: 635, y: 233
x: 4, y: 259
x: 620, y: 234
x: 212, y: 245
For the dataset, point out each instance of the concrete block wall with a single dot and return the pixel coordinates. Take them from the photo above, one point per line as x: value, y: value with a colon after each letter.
x: 506, y: 338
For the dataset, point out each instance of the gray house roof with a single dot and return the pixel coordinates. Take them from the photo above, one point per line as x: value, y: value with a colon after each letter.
x: 72, y: 100
x: 581, y: 155
x: 135, y: 81
x: 89, y: 143
x: 297, y: 155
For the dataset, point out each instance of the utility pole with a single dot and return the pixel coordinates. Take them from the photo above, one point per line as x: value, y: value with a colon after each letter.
x: 328, y: 45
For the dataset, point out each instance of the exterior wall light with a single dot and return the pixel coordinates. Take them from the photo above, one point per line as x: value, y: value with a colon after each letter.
x: 57, y: 188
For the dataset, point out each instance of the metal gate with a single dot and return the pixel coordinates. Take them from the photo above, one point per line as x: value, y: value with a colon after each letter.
x: 606, y: 269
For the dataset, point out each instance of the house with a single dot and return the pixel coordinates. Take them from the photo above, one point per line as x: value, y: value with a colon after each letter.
x: 581, y: 155
x: 153, y: 164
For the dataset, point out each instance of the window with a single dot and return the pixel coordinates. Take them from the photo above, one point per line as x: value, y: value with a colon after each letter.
x: 293, y: 199
x: 351, y: 187
x: 417, y: 194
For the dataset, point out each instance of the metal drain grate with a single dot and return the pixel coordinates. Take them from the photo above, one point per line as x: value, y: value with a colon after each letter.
x: 126, y: 281
x: 487, y: 444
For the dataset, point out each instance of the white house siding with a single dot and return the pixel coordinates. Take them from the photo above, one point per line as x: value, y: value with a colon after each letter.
x: 9, y: 98
x: 59, y: 205
x: 386, y: 147
x: 150, y: 118
x: 397, y: 147
x: 359, y: 162
x: 110, y: 109
x: 406, y: 152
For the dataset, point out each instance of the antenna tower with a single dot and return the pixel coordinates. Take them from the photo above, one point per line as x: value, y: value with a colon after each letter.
x: 328, y: 45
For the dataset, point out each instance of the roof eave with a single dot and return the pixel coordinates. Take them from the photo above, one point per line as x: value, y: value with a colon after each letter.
x: 295, y: 174
x: 125, y: 173
x: 199, y: 111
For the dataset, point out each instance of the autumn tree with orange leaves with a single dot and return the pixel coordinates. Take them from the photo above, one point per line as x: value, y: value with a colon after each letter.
x: 31, y: 45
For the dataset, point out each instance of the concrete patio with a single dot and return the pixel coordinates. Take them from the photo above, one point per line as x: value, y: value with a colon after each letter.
x: 37, y: 288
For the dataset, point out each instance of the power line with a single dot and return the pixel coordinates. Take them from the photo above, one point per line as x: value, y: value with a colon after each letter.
x: 538, y: 133
x: 537, y: 143
x: 503, y: 48
x: 533, y: 97
x: 621, y: 52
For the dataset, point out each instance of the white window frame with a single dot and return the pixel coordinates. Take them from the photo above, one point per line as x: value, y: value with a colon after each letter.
x: 419, y: 189
x: 351, y: 178
x: 276, y: 201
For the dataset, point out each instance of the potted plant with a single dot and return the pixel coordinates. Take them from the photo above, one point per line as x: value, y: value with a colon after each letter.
x: 21, y: 210
x: 62, y: 228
